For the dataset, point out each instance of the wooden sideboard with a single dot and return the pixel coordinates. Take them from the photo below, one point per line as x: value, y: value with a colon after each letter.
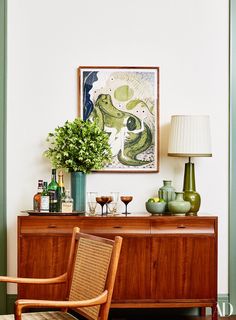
x: 165, y: 261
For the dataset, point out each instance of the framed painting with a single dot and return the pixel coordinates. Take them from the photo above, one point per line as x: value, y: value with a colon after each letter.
x: 124, y: 101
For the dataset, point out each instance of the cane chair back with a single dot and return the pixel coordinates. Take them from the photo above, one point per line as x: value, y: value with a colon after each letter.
x: 92, y: 260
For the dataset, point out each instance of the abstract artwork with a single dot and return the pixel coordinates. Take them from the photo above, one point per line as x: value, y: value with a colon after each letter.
x: 124, y: 102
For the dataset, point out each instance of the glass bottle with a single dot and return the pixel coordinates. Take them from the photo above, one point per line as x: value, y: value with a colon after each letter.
x: 67, y: 203
x: 44, y: 205
x: 53, y: 193
x: 37, y: 196
x: 61, y: 189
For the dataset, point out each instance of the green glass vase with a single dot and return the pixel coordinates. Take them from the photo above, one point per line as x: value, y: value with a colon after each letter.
x: 78, y: 190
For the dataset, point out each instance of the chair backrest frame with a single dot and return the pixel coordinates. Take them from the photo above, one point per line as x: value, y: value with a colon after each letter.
x: 111, y: 273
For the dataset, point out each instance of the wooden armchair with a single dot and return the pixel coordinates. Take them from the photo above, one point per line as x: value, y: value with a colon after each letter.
x: 89, y: 279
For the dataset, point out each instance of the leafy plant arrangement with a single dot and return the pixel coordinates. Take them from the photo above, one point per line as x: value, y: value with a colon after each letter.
x: 79, y: 146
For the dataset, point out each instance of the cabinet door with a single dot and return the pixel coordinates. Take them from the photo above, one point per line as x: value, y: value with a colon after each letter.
x: 133, y: 275
x: 42, y: 256
x: 183, y: 267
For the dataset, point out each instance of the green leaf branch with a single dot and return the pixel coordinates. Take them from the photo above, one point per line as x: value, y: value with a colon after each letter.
x: 79, y: 146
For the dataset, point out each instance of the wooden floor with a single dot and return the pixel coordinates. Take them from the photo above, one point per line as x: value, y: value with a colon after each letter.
x: 164, y: 314
x: 158, y: 314
x: 174, y: 318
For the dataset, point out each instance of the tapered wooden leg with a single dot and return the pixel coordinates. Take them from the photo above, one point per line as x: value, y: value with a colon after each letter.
x: 214, y: 312
x: 203, y: 311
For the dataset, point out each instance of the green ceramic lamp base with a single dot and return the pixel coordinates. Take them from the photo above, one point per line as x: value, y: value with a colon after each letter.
x: 189, y: 189
x: 195, y: 201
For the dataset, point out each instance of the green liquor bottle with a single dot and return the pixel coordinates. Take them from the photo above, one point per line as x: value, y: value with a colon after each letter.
x: 53, y: 193
x: 45, y: 200
x: 61, y: 189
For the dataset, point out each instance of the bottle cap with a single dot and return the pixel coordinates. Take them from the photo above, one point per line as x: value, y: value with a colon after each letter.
x: 40, y: 183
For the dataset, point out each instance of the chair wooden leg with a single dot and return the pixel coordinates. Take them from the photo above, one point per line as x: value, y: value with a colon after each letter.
x: 17, y: 313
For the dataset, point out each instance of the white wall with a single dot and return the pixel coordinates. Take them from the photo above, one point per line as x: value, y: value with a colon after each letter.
x: 48, y: 40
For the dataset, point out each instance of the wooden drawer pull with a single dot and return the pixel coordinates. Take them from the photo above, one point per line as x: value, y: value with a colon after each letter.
x: 117, y: 227
x: 52, y: 226
x: 181, y: 226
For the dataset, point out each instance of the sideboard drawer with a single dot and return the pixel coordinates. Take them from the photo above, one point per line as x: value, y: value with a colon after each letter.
x: 49, y: 225
x: 183, y: 225
x: 96, y: 225
x: 116, y: 226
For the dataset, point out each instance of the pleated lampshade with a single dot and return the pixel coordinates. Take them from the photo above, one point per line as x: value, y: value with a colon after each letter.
x: 190, y: 136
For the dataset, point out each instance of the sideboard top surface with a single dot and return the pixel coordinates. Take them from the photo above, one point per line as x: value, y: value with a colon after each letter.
x: 141, y: 216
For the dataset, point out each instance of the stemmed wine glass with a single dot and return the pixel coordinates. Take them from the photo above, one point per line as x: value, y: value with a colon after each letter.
x: 126, y: 200
x: 102, y: 200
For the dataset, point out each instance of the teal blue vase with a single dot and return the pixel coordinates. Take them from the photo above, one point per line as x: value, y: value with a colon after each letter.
x: 78, y: 190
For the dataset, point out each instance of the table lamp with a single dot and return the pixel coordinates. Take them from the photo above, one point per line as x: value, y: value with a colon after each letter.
x: 190, y: 137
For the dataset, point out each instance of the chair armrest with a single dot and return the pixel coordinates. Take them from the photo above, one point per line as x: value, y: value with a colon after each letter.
x: 59, y: 279
x: 28, y: 303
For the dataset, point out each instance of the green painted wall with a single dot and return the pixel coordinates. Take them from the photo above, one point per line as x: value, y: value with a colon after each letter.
x: 232, y: 173
x: 2, y: 153
x: 10, y: 303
